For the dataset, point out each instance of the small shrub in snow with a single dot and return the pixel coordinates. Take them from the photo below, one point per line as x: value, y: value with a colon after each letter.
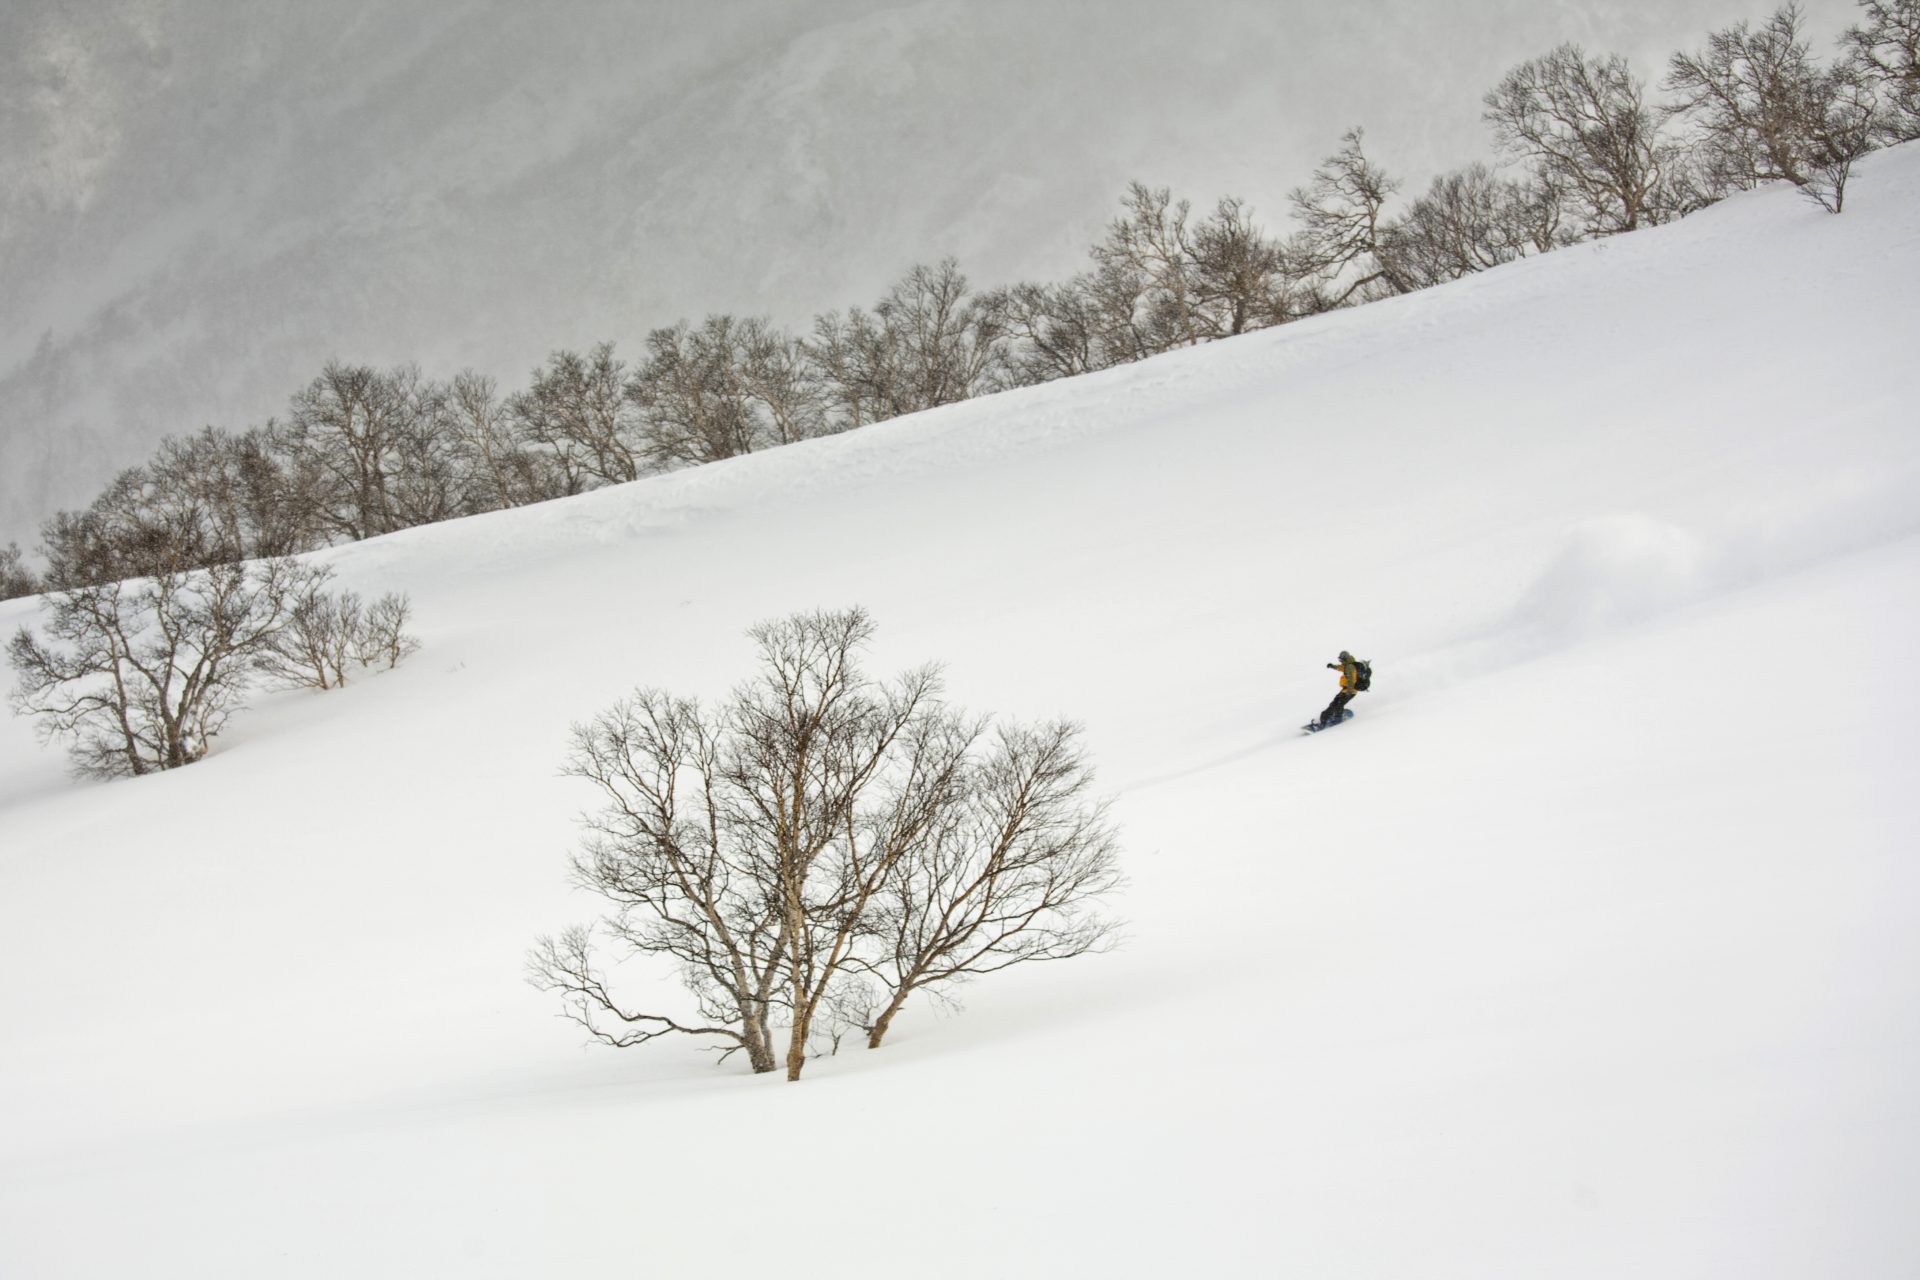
x: 327, y: 633
x: 821, y: 846
x: 380, y: 637
x: 314, y: 648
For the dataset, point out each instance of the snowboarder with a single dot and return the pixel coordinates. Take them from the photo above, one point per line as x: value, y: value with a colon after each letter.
x: 1355, y: 677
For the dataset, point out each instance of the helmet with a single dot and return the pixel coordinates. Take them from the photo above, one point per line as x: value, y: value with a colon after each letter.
x: 1345, y: 656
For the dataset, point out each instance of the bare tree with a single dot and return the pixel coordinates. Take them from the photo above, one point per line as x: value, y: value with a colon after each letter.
x: 840, y: 778
x: 1343, y: 225
x: 948, y: 346
x: 1757, y: 100
x: 764, y: 846
x: 1158, y: 281
x: 664, y: 848
x: 737, y: 843
x: 498, y: 468
x: 433, y: 474
x: 842, y: 353
x: 203, y: 499
x: 1585, y: 125
x: 135, y: 528
x: 1242, y: 279
x: 248, y: 487
x: 781, y: 383
x: 140, y: 676
x: 692, y: 395
x: 1850, y: 124
x: 725, y: 388
x: 379, y: 636
x: 315, y: 647
x: 1470, y: 220
x: 1150, y: 248
x: 370, y: 436
x: 16, y: 579
x: 1885, y: 52
x: 929, y: 342
x: 577, y: 414
x: 1131, y: 322
x: 1011, y: 873
x: 1052, y: 330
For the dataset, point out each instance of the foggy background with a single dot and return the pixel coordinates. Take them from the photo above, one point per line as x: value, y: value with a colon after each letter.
x: 201, y: 204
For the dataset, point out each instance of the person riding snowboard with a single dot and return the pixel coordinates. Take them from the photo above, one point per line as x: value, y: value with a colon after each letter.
x: 1355, y: 677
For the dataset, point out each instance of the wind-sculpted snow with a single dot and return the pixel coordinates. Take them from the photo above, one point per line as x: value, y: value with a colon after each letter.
x: 1587, y: 949
x: 1612, y: 572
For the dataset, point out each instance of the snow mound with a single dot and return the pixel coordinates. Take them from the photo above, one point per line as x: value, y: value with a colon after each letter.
x: 1612, y: 572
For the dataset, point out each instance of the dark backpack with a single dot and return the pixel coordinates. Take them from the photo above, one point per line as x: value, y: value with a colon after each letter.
x: 1362, y: 676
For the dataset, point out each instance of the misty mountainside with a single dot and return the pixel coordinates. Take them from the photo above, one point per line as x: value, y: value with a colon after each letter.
x: 1586, y: 949
x: 201, y: 205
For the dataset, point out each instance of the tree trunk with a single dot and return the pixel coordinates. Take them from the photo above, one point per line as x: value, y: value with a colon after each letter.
x: 759, y: 1045
x: 797, y: 1045
x: 885, y: 1019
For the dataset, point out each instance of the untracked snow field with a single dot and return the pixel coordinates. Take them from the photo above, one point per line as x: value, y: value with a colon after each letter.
x: 1590, y: 948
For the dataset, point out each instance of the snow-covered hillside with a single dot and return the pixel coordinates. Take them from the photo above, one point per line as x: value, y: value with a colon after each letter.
x: 1588, y: 949
x: 203, y: 203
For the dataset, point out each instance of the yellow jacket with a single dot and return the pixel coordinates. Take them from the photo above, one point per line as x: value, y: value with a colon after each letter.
x: 1349, y: 675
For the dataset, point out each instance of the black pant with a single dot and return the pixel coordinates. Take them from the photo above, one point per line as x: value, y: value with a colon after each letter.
x: 1332, y: 714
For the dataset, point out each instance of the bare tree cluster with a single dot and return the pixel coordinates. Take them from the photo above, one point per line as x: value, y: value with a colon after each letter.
x: 366, y: 451
x: 1468, y: 220
x: 722, y: 389
x: 820, y: 847
x: 1595, y: 156
x: 1762, y: 110
x: 1343, y: 226
x: 138, y: 675
x: 930, y: 341
x: 202, y: 500
x: 1161, y: 279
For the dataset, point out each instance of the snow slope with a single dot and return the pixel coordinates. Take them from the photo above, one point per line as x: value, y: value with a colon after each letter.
x: 1588, y: 949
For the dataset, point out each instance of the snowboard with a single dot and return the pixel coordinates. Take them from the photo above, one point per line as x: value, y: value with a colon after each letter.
x: 1314, y: 726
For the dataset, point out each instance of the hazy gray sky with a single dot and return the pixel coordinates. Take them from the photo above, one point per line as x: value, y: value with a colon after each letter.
x: 201, y: 203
